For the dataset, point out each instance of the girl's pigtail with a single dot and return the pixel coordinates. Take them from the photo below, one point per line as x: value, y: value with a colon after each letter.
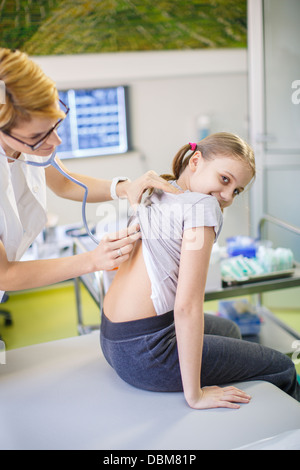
x: 180, y: 161
x: 168, y: 177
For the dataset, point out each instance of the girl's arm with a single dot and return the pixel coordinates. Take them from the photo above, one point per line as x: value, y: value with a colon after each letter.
x: 19, y: 275
x: 189, y: 322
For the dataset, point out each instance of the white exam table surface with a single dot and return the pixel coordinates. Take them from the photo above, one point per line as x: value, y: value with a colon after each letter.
x: 63, y: 395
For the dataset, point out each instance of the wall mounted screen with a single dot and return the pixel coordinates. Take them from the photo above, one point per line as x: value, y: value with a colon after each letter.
x: 96, y: 123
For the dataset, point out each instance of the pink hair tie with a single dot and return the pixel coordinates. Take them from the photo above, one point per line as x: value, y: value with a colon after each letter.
x: 193, y: 145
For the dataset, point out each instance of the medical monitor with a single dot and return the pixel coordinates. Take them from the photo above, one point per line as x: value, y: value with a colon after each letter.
x: 96, y: 123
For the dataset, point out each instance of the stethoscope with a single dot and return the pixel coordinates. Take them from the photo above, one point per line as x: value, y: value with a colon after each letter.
x: 53, y: 162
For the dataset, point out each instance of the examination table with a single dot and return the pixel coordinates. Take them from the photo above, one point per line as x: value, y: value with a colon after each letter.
x: 63, y: 395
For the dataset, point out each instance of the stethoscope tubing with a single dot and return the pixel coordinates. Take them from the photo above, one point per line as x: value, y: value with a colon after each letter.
x: 53, y: 162
x: 84, y: 201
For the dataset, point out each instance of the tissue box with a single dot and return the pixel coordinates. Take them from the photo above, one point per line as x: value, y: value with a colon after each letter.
x: 243, y: 314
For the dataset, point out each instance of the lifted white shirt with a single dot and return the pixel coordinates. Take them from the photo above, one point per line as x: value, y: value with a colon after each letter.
x: 163, y: 218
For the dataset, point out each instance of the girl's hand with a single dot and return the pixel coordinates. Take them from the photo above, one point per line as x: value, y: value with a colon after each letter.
x: 217, y: 397
x: 134, y: 190
x: 115, y: 248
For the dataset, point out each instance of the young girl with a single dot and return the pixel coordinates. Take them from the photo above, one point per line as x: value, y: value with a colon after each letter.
x: 30, y: 114
x: 154, y: 332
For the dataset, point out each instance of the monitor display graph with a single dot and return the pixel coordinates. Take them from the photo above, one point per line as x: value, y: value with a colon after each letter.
x: 96, y: 124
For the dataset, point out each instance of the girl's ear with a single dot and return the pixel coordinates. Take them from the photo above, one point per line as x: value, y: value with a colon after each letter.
x: 194, y: 160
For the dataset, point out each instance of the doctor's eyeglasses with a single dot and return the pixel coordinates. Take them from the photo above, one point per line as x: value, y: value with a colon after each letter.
x: 40, y: 142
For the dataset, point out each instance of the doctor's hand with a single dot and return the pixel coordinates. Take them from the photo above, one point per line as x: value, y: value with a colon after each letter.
x: 219, y: 397
x: 134, y: 190
x: 115, y: 248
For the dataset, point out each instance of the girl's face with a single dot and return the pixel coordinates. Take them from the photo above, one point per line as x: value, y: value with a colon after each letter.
x: 223, y: 177
x: 31, y: 132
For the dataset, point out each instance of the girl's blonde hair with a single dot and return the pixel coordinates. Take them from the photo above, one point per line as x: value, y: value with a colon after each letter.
x: 218, y: 144
x: 28, y: 91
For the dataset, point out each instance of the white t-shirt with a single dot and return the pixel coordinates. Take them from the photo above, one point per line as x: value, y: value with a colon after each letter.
x: 22, y: 204
x: 163, y: 218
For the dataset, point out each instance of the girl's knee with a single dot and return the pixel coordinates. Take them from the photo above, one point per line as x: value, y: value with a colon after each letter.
x: 234, y: 330
x: 230, y: 329
x: 219, y: 326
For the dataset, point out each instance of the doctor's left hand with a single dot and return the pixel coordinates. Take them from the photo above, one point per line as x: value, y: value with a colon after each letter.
x: 115, y: 248
x: 134, y: 190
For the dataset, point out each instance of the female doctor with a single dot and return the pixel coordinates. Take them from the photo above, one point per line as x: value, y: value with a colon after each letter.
x: 29, y: 118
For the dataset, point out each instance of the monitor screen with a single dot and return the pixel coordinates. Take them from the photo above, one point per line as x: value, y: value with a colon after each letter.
x: 96, y: 123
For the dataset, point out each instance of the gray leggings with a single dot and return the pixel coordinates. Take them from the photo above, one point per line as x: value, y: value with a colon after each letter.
x: 144, y: 354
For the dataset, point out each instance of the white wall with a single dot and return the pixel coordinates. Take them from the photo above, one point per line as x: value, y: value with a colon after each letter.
x: 168, y: 90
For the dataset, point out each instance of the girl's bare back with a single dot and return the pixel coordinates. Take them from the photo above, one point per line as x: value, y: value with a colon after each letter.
x: 128, y: 298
